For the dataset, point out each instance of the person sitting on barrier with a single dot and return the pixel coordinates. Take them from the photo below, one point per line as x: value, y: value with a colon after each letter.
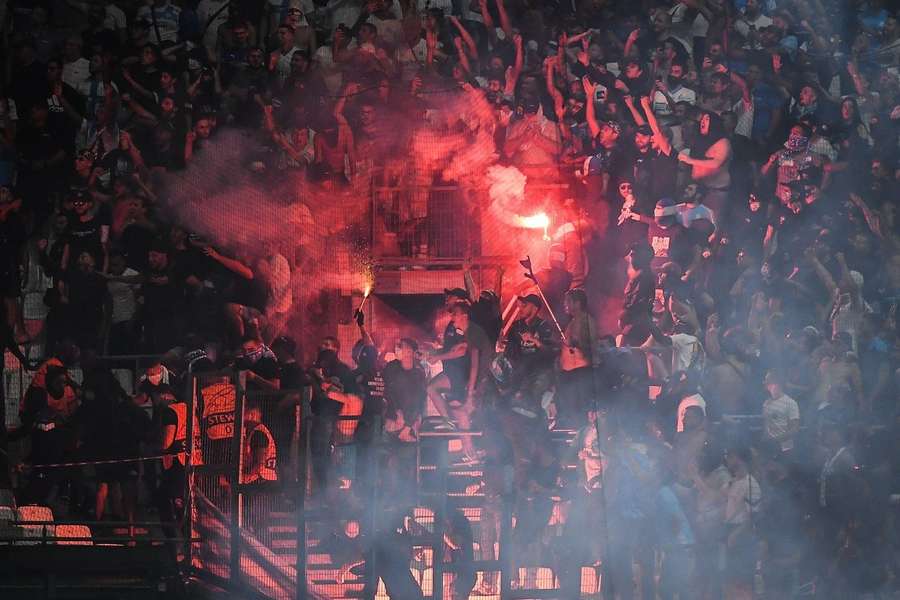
x: 463, y: 391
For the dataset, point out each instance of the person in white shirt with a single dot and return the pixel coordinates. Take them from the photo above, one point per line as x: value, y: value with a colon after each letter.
x: 211, y: 15
x: 163, y: 21
x: 280, y: 58
x: 76, y: 68
x: 122, y: 286
x: 743, y: 500
x: 750, y: 24
x: 672, y: 91
x: 781, y: 415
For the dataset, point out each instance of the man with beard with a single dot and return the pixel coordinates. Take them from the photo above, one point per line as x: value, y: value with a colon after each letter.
x: 655, y: 165
x: 672, y: 91
x: 791, y: 160
x: 602, y: 170
x: 710, y: 161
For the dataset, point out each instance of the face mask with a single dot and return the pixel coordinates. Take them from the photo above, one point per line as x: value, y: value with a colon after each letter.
x: 253, y: 356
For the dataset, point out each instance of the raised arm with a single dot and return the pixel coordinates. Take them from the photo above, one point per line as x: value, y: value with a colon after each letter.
x: 635, y: 113
x: 488, y: 22
x: 471, y: 47
x: 821, y: 272
x: 505, y: 23
x: 629, y: 43
x: 591, y: 112
x: 235, y: 266
x: 661, y: 140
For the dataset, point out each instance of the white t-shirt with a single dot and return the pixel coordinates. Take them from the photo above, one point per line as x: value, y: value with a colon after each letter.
x: 167, y: 18
x: 77, y: 72
x: 682, y: 94
x: 124, y: 303
x: 742, y: 26
x: 115, y: 18
x: 685, y: 348
x: 205, y: 11
x: 777, y: 415
x: 743, y: 499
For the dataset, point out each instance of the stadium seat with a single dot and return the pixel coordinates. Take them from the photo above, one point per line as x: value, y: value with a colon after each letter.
x: 34, y: 514
x: 76, y: 535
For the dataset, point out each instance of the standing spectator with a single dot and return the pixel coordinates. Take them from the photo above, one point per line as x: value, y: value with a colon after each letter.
x: 164, y: 18
x: 781, y: 415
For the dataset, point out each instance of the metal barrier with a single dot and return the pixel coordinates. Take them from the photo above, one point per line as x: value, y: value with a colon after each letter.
x: 288, y: 523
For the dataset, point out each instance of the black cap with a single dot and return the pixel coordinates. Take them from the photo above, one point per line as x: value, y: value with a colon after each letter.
x: 644, y: 130
x: 532, y: 299
x: 286, y: 342
x: 80, y: 194
x: 460, y: 293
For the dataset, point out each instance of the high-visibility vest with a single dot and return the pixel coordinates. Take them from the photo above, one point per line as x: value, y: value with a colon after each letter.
x: 180, y: 409
x: 267, y: 470
x: 218, y: 410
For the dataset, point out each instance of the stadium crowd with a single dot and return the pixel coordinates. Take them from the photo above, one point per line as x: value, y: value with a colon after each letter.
x: 734, y: 168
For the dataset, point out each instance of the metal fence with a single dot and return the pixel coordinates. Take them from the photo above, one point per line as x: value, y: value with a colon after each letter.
x: 280, y: 502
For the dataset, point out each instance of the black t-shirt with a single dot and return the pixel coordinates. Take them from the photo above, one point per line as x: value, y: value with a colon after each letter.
x: 526, y: 355
x: 265, y: 367
x: 12, y: 236
x: 404, y: 390
x: 87, y: 293
x: 654, y: 178
x: 455, y: 368
x: 37, y: 144
x: 85, y: 236
x: 160, y: 294
x: 252, y: 293
x: 640, y: 292
x: 292, y: 376
x: 669, y: 244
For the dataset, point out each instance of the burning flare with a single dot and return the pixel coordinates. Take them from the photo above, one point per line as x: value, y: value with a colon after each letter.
x: 536, y: 221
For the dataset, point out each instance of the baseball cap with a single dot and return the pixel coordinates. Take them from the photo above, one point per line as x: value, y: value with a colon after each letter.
x: 457, y: 293
x: 532, y: 299
x: 665, y: 208
x: 644, y: 130
x: 286, y: 342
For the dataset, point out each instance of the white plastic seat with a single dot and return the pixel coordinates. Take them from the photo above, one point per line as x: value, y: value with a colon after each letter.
x: 78, y: 532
